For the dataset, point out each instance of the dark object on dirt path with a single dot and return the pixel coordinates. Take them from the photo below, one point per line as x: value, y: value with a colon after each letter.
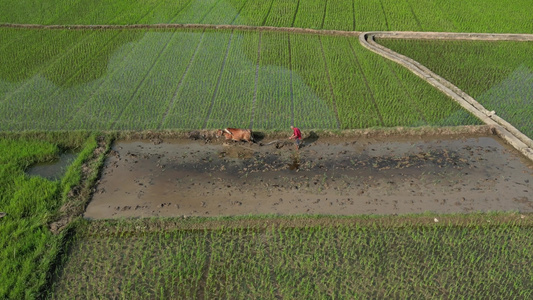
x: 201, y: 135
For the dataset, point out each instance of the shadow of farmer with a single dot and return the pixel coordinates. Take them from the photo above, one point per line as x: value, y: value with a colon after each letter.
x: 311, y: 138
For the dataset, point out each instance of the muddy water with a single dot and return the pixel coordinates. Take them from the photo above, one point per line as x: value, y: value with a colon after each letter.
x: 340, y: 176
x: 53, y: 170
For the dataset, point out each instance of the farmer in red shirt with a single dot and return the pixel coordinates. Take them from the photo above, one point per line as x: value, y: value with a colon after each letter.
x: 297, y: 136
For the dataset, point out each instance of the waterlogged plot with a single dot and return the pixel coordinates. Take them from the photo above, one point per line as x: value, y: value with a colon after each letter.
x: 312, y: 262
x: 139, y: 79
x: 497, y: 74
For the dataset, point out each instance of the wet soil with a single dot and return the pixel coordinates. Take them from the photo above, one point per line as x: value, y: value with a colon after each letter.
x: 330, y: 175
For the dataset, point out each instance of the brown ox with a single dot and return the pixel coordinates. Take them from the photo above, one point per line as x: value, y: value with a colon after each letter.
x: 236, y: 134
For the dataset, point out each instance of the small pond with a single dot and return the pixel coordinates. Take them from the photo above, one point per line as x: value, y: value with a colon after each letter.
x: 55, y: 169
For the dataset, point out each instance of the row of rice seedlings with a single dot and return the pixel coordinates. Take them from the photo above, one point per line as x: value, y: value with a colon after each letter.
x: 153, y: 98
x: 195, y: 11
x: 27, y: 52
x: 395, y: 106
x: 310, y: 14
x: 314, y: 106
x: 487, y: 71
x: 25, y: 67
x: 305, y: 263
x: 430, y: 16
x: 222, y: 13
x: 30, y: 12
x: 282, y: 13
x: 444, y: 112
x: 161, y: 12
x: 493, y: 16
x: 159, y: 265
x: 274, y: 100
x: 73, y: 69
x: 344, y: 261
x: 369, y: 15
x: 239, y: 266
x: 354, y: 100
x: 400, y: 14
x: 194, y: 97
x: 88, y: 75
x: 254, y: 13
x: 122, y: 83
x: 339, y: 15
x: 232, y: 105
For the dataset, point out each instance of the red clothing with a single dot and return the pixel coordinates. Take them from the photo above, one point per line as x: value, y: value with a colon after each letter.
x: 297, y: 133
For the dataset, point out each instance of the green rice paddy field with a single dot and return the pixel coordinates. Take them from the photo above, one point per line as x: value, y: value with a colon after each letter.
x: 59, y: 88
x: 190, y: 79
x: 359, y: 15
x: 499, y: 75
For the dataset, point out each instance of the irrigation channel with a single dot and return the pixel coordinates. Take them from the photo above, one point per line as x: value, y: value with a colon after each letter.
x: 359, y: 174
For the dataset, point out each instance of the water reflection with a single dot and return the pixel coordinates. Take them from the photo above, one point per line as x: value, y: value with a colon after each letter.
x: 53, y: 170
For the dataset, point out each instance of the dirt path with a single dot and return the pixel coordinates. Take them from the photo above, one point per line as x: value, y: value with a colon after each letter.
x: 503, y: 128
x: 341, y: 176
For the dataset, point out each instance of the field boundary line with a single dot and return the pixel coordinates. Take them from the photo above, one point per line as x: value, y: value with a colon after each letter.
x: 503, y: 128
x: 182, y: 26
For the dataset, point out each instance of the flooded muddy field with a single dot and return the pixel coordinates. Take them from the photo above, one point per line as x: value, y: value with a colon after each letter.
x: 341, y: 176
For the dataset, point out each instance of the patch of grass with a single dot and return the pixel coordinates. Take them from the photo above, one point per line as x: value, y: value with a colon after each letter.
x: 30, y: 202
